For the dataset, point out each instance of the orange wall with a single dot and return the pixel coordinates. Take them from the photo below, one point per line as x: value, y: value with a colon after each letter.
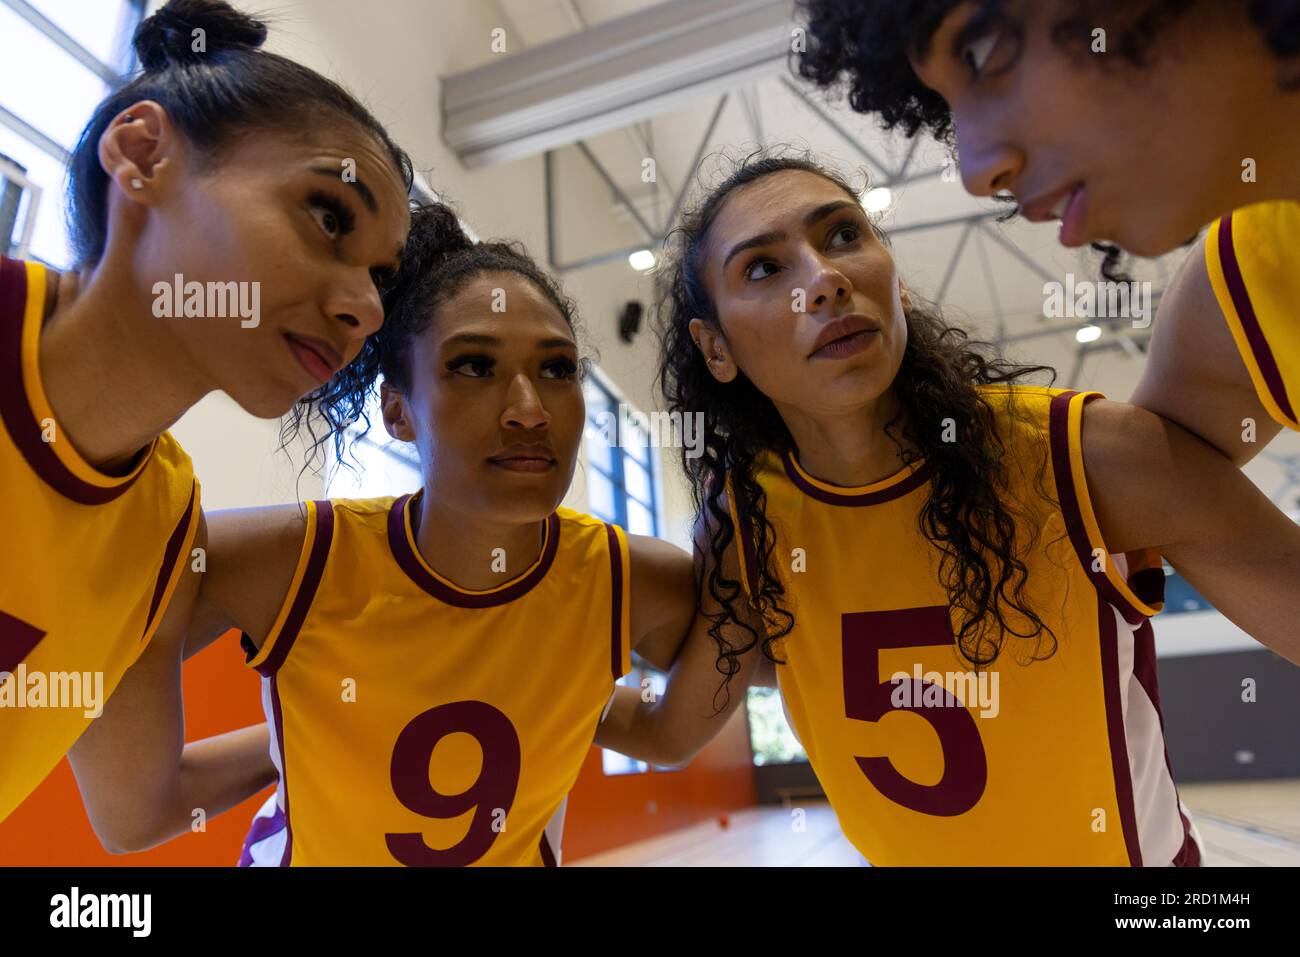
x: 50, y: 827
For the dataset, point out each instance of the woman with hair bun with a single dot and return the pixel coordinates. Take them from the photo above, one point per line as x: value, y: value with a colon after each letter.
x: 233, y: 214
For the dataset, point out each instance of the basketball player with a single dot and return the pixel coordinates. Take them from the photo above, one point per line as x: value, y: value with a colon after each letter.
x: 1135, y: 123
x: 450, y: 651
x: 921, y: 532
x: 214, y: 168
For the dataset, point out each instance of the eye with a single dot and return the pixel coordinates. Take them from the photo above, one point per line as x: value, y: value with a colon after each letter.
x: 473, y: 367
x: 332, y: 215
x: 976, y: 53
x: 850, y: 230
x: 561, y: 369
x: 749, y: 270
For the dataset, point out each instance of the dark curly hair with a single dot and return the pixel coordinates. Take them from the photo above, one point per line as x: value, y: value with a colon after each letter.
x: 438, y: 260
x: 213, y: 96
x: 966, y: 515
x: 863, y: 46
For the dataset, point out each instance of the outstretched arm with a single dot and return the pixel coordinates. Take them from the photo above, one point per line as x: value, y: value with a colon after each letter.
x: 671, y: 729
x: 140, y: 781
x: 1155, y: 485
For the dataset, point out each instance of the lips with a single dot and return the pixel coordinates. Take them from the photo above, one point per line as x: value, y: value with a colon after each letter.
x: 843, y: 328
x: 318, y: 357
x: 530, y: 458
x: 1050, y: 207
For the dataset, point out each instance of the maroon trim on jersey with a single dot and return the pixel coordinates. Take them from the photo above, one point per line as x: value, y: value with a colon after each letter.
x: 1144, y: 670
x: 400, y: 544
x: 19, y: 418
x: 17, y: 639
x: 1059, y: 430
x: 169, y: 560
x: 1249, y: 321
x: 284, y: 768
x: 1115, y: 728
x: 311, y: 576
x: 616, y: 603
x: 548, y: 856
x: 855, y: 499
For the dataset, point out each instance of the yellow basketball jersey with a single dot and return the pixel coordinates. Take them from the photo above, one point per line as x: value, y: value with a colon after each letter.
x: 90, y: 561
x: 1054, y: 761
x: 421, y: 724
x: 1253, y: 255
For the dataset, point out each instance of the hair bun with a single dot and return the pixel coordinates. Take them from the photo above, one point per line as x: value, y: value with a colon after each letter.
x: 168, y: 36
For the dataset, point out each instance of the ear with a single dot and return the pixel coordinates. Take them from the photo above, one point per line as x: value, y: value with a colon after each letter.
x: 140, y: 151
x: 904, y: 296
x: 717, y: 353
x: 397, y: 419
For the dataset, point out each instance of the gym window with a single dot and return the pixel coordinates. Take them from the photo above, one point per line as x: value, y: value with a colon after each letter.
x: 58, y: 60
x: 620, y: 462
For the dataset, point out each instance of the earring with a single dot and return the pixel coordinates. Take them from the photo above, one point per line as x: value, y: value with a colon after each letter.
x: 136, y: 184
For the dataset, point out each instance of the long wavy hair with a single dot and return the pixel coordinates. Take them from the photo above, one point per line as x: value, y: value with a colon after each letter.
x: 966, y: 515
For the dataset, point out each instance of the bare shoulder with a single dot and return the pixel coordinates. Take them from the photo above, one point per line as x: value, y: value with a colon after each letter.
x: 252, y: 555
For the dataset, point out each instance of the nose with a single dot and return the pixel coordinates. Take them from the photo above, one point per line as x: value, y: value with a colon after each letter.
x: 524, y: 409
x: 989, y: 162
x: 828, y: 285
x: 355, y: 303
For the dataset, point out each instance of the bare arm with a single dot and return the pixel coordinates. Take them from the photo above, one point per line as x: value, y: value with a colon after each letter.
x: 673, y: 728
x: 1194, y: 374
x: 663, y: 599
x: 139, y: 780
x: 1155, y: 485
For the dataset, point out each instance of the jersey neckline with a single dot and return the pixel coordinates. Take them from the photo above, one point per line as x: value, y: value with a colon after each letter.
x: 23, y: 403
x: 401, y: 540
x: 905, y: 480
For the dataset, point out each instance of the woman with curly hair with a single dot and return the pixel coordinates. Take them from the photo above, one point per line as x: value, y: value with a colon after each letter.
x: 436, y: 654
x: 1133, y: 123
x: 952, y: 569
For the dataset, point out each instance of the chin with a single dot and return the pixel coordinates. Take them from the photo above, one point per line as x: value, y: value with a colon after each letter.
x: 264, y: 403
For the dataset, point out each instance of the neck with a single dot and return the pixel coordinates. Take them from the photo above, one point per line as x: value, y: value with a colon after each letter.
x: 464, y: 549
x: 849, y: 449
x: 114, y: 375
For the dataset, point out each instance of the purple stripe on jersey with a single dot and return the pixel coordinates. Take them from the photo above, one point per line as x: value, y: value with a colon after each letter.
x: 1249, y: 321
x: 263, y: 827
x: 19, y: 418
x: 311, y: 576
x: 169, y: 560
x: 278, y: 713
x: 400, y: 545
x: 1144, y: 670
x: 616, y: 605
x: 548, y: 856
x: 1059, y: 431
x: 856, y: 499
x: 1115, y: 728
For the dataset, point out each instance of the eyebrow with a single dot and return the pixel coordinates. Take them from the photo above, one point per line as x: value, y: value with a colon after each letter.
x: 367, y: 196
x: 482, y: 339
x: 812, y: 219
